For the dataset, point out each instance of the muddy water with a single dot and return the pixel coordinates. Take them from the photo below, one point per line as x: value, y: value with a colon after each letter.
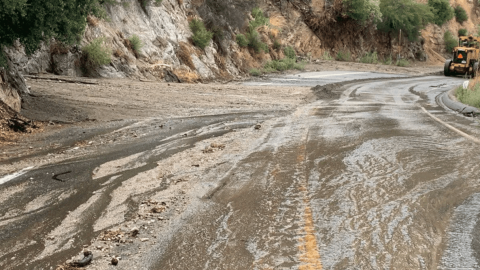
x: 365, y: 181
x: 368, y: 181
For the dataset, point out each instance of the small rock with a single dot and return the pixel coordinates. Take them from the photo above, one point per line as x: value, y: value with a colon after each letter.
x: 134, y: 231
x: 257, y: 127
x: 114, y: 261
x: 144, y: 239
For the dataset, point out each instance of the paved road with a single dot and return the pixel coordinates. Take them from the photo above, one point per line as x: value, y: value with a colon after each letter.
x: 321, y: 78
x: 379, y: 178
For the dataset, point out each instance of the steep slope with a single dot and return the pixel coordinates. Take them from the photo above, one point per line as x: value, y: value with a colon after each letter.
x: 168, y: 54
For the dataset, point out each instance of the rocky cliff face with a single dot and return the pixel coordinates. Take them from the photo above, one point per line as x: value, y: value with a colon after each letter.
x: 168, y: 53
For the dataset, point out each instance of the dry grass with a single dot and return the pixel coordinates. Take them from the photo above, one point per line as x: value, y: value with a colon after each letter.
x: 186, y: 76
x: 128, y: 44
x: 220, y: 61
x: 92, y: 21
x: 184, y: 54
x: 119, y: 53
x: 244, y: 61
x: 277, y: 22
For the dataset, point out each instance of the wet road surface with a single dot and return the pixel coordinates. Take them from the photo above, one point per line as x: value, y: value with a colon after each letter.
x: 379, y: 178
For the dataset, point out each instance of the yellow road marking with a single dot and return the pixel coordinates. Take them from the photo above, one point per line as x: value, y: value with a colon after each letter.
x: 309, y: 253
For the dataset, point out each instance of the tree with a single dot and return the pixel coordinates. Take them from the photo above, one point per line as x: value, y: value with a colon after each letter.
x: 461, y: 14
x: 34, y: 21
x: 442, y: 11
x: 405, y: 15
x: 362, y: 10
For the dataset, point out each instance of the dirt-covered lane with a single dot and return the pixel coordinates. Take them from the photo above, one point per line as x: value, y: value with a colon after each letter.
x: 370, y: 175
x: 369, y: 180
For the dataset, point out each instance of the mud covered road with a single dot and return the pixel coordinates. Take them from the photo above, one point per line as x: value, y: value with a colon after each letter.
x: 369, y: 175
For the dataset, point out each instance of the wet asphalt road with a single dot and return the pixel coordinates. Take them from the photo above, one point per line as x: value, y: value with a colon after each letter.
x: 379, y: 178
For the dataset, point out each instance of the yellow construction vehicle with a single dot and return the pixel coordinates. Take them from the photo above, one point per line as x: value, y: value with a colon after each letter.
x: 465, y: 57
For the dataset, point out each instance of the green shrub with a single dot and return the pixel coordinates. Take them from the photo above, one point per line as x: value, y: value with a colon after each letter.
x: 201, y: 36
x: 388, y: 60
x: 462, y: 32
x: 96, y: 54
x: 406, y: 15
x: 255, y: 72
x: 242, y: 40
x: 254, y: 42
x: 343, y: 56
x: 136, y: 43
x: 252, y: 38
x: 327, y: 56
x: 276, y: 44
x: 469, y: 96
x: 450, y: 41
x: 259, y: 19
x: 460, y: 14
x: 442, y: 11
x: 284, y: 64
x: 369, y: 58
x: 290, y: 52
x: 362, y: 10
x: 402, y: 63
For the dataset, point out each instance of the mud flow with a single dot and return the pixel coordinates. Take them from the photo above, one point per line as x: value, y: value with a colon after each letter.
x: 363, y: 174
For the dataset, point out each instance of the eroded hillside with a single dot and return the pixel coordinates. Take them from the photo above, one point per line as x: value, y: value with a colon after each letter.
x: 315, y: 29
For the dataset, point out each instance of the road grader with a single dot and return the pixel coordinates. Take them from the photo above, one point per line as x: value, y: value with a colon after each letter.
x: 465, y: 57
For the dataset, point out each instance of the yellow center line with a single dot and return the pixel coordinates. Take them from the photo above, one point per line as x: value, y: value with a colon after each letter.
x: 309, y: 253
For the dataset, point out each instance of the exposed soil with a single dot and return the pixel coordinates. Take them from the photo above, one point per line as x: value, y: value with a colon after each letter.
x: 64, y: 100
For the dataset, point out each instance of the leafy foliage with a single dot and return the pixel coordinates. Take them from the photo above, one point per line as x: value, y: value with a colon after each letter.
x: 388, y: 60
x: 96, y: 54
x: 255, y: 42
x: 284, y: 64
x: 469, y: 96
x: 369, y: 58
x: 201, y: 36
x: 327, y: 56
x: 362, y: 10
x: 255, y: 72
x: 290, y: 52
x: 259, y: 19
x: 242, y: 40
x: 402, y: 63
x: 32, y: 22
x: 462, y: 32
x: 442, y: 11
x: 136, y: 43
x: 276, y: 44
x: 450, y: 41
x: 461, y: 14
x: 343, y: 56
x: 406, y: 15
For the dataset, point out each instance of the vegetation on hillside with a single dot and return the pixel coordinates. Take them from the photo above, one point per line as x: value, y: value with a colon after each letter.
x: 201, y: 36
x: 460, y: 14
x: 94, y: 55
x: 362, y: 10
x: 442, y: 11
x: 450, y: 41
x: 406, y: 15
x: 471, y: 95
x: 32, y: 22
x: 252, y: 37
